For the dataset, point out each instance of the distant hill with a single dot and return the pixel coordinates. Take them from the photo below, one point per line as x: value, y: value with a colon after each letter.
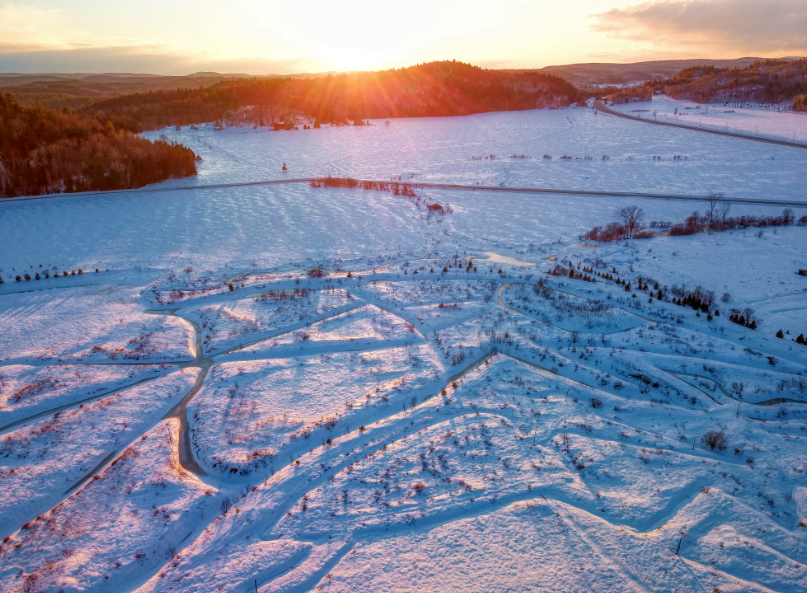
x: 77, y: 91
x: 766, y: 81
x: 8, y: 79
x: 590, y: 75
x: 763, y: 81
x: 80, y: 90
x: 433, y: 89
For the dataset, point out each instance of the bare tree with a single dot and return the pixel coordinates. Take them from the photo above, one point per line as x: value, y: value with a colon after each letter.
x: 723, y: 208
x: 631, y: 217
x: 714, y: 199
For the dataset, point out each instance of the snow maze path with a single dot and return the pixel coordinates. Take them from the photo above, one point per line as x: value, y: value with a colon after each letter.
x: 327, y: 424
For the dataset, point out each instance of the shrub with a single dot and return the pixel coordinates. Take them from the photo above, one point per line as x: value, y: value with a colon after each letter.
x: 316, y: 273
x: 715, y: 440
x: 335, y: 182
x: 744, y: 317
x: 595, y: 403
x: 680, y: 230
x: 613, y: 231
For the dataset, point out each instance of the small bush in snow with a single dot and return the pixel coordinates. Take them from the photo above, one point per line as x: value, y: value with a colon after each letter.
x: 715, y: 440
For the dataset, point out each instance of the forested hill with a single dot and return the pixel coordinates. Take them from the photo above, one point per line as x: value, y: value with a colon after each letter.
x: 48, y: 151
x: 433, y: 89
x: 765, y: 81
x: 768, y: 81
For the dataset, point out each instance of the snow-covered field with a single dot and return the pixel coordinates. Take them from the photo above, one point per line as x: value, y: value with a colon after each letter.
x: 292, y: 389
x: 761, y: 121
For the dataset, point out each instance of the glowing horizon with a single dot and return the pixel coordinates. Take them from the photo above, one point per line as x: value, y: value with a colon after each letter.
x: 247, y: 36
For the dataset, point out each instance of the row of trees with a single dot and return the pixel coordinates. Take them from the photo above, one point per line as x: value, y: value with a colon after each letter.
x: 716, y: 218
x: 433, y: 89
x: 396, y: 189
x: 630, y: 222
x: 48, y: 151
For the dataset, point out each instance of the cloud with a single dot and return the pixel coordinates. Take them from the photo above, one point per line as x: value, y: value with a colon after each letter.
x: 29, y: 26
x: 748, y: 26
x: 146, y: 59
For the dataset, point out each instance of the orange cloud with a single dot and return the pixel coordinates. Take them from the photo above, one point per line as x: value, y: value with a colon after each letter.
x: 748, y: 26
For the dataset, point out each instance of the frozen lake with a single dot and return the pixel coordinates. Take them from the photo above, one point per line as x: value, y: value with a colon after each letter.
x: 273, y: 226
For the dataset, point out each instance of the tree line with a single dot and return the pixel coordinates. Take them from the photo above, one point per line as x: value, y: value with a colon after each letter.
x: 630, y: 222
x: 48, y: 151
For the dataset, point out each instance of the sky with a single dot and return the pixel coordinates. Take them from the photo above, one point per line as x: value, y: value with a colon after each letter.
x: 270, y: 37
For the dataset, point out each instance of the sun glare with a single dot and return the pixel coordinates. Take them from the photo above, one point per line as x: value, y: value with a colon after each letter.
x: 348, y: 59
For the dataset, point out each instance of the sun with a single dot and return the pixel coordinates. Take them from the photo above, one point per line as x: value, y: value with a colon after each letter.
x: 344, y: 59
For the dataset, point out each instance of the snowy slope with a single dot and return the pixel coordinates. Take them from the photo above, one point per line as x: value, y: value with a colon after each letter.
x: 298, y: 389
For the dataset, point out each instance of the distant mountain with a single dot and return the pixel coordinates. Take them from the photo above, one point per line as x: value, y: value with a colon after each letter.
x: 591, y: 75
x: 12, y: 79
x: 77, y: 91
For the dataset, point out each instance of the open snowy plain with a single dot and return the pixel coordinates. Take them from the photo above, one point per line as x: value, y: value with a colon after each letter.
x: 763, y: 122
x: 285, y: 388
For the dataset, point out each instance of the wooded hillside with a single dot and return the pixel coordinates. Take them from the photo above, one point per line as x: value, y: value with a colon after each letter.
x: 766, y: 81
x: 434, y: 89
x: 48, y: 151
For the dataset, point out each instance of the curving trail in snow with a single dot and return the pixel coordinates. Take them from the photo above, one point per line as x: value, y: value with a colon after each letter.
x: 255, y: 397
x: 563, y: 400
